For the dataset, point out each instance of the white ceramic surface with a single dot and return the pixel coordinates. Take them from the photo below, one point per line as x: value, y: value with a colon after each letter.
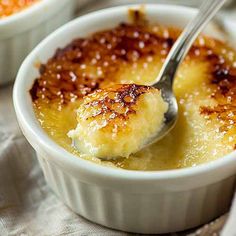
x: 21, y: 32
x: 135, y: 201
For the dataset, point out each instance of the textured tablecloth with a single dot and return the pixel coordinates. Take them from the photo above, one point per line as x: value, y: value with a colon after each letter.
x: 28, y: 206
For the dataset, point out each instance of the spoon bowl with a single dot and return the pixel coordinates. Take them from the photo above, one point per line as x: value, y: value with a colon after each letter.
x: 170, y: 116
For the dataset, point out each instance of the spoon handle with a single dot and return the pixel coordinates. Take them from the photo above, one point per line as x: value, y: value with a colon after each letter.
x: 182, y: 45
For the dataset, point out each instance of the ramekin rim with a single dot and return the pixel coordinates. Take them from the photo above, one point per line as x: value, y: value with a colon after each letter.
x: 68, y: 158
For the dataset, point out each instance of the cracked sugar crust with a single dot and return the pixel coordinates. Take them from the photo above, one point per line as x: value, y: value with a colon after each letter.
x: 134, y: 53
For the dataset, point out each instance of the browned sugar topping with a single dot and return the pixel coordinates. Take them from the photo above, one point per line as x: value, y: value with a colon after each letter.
x: 67, y: 75
x: 224, y: 81
x: 11, y: 7
x: 115, y: 102
x: 87, y: 64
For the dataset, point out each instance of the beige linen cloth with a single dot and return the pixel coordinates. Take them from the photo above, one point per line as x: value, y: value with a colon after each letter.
x: 28, y: 206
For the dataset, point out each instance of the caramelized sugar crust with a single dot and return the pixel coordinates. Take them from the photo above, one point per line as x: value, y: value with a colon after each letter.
x: 224, y: 81
x: 10, y: 7
x: 115, y: 103
x: 67, y: 75
x: 87, y: 64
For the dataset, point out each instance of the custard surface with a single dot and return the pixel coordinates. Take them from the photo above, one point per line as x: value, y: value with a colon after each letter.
x: 10, y: 7
x: 205, y: 88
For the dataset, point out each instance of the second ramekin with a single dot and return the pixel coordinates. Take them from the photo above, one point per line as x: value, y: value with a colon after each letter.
x: 21, y: 32
x: 134, y: 201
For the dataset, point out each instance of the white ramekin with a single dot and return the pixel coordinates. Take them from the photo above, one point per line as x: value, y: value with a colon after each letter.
x: 21, y: 32
x: 134, y: 201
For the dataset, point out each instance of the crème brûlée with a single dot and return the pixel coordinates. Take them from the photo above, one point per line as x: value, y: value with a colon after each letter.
x: 10, y: 7
x: 119, y: 120
x: 205, y: 88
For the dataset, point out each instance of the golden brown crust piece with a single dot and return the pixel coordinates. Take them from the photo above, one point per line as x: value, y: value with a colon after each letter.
x: 224, y: 81
x: 115, y: 102
x: 64, y: 76
x: 10, y: 7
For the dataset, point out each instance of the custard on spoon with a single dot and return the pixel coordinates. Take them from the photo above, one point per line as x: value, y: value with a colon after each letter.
x: 114, y: 122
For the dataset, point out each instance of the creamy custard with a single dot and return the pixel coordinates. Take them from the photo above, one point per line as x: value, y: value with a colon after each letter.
x: 117, y: 121
x: 205, y: 88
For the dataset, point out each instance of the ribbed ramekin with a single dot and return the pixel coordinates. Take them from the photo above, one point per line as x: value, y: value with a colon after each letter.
x: 21, y: 32
x: 134, y: 201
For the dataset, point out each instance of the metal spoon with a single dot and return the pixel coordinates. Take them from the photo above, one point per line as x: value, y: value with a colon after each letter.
x: 177, y: 53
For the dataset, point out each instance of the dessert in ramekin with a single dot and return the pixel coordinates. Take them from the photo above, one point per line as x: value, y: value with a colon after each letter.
x: 11, y: 7
x: 22, y: 27
x: 167, y: 199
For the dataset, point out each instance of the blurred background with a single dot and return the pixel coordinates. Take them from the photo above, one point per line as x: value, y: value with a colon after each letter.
x: 90, y: 5
x: 226, y: 18
x: 119, y: 2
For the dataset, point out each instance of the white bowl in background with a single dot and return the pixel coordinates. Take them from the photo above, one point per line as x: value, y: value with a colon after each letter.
x: 134, y: 201
x: 22, y: 31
